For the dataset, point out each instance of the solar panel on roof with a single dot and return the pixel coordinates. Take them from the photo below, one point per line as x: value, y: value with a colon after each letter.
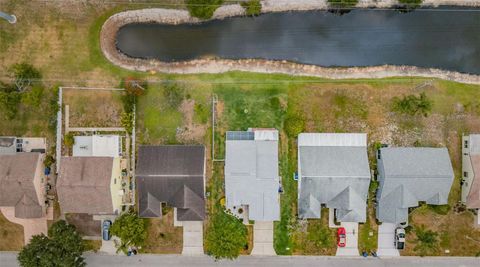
x: 238, y: 135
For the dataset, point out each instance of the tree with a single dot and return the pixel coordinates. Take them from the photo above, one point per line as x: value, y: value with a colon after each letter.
x: 130, y: 229
x: 226, y: 236
x: 24, y: 75
x: 134, y: 86
x: 252, y: 7
x: 63, y: 248
x: 203, y: 9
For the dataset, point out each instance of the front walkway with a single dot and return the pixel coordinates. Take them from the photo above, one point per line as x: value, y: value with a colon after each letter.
x: 31, y: 227
x: 263, y: 239
x: 192, y: 238
x: 386, y: 238
x: 351, y: 248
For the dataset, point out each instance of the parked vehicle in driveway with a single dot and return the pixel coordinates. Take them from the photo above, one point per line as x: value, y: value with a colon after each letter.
x: 106, y: 229
x: 341, y: 237
x: 399, y: 238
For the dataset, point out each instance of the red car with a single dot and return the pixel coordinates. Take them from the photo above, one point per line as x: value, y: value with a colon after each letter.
x: 341, y: 237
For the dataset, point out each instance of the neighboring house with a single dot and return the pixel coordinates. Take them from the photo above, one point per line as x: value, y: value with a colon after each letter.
x: 174, y: 175
x: 23, y: 184
x: 471, y: 172
x: 251, y: 174
x: 333, y: 170
x: 407, y: 176
x: 97, y: 146
x: 11, y: 145
x: 90, y: 185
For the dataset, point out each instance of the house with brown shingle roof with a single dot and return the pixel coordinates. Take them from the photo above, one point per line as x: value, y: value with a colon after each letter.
x: 90, y: 185
x: 471, y: 173
x: 23, y: 184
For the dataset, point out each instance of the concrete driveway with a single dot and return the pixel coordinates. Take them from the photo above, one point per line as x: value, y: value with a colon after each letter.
x: 263, y: 239
x: 108, y: 247
x: 386, y: 236
x: 351, y: 247
x: 192, y: 238
x: 31, y: 227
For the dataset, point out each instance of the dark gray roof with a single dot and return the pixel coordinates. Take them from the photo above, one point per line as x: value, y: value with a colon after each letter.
x: 173, y: 175
x: 410, y: 175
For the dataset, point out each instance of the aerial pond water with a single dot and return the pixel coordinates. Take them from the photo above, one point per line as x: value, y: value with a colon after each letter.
x: 446, y: 38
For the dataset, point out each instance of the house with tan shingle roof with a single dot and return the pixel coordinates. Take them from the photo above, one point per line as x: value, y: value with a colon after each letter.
x: 23, y: 184
x: 471, y: 173
x: 90, y: 185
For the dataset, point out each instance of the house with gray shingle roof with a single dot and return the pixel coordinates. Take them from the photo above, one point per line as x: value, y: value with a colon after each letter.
x: 174, y: 175
x: 251, y: 174
x: 333, y: 170
x: 407, y: 176
x: 471, y: 173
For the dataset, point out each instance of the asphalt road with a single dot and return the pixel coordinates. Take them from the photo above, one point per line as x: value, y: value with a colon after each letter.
x: 9, y: 259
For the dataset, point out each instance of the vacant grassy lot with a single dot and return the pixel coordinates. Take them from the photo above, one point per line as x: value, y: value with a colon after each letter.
x: 93, y: 108
x: 61, y: 39
x: 11, y: 235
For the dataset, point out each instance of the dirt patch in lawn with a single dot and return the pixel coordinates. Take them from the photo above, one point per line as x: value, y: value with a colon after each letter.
x: 163, y: 237
x: 190, y: 132
x: 84, y: 223
x: 11, y: 235
x: 93, y: 108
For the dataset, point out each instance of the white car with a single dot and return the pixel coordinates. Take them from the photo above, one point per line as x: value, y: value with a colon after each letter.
x: 399, y: 238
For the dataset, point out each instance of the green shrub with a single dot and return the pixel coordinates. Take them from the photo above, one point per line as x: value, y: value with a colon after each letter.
x: 412, y: 105
x: 9, y: 102
x: 440, y: 209
x: 201, y: 113
x: 252, y: 7
x: 69, y: 140
x: 342, y: 3
x: 226, y: 236
x: 49, y: 160
x: 174, y: 94
x: 294, y: 124
x: 126, y: 121
x: 410, y: 3
x: 426, y: 242
x: 203, y: 9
